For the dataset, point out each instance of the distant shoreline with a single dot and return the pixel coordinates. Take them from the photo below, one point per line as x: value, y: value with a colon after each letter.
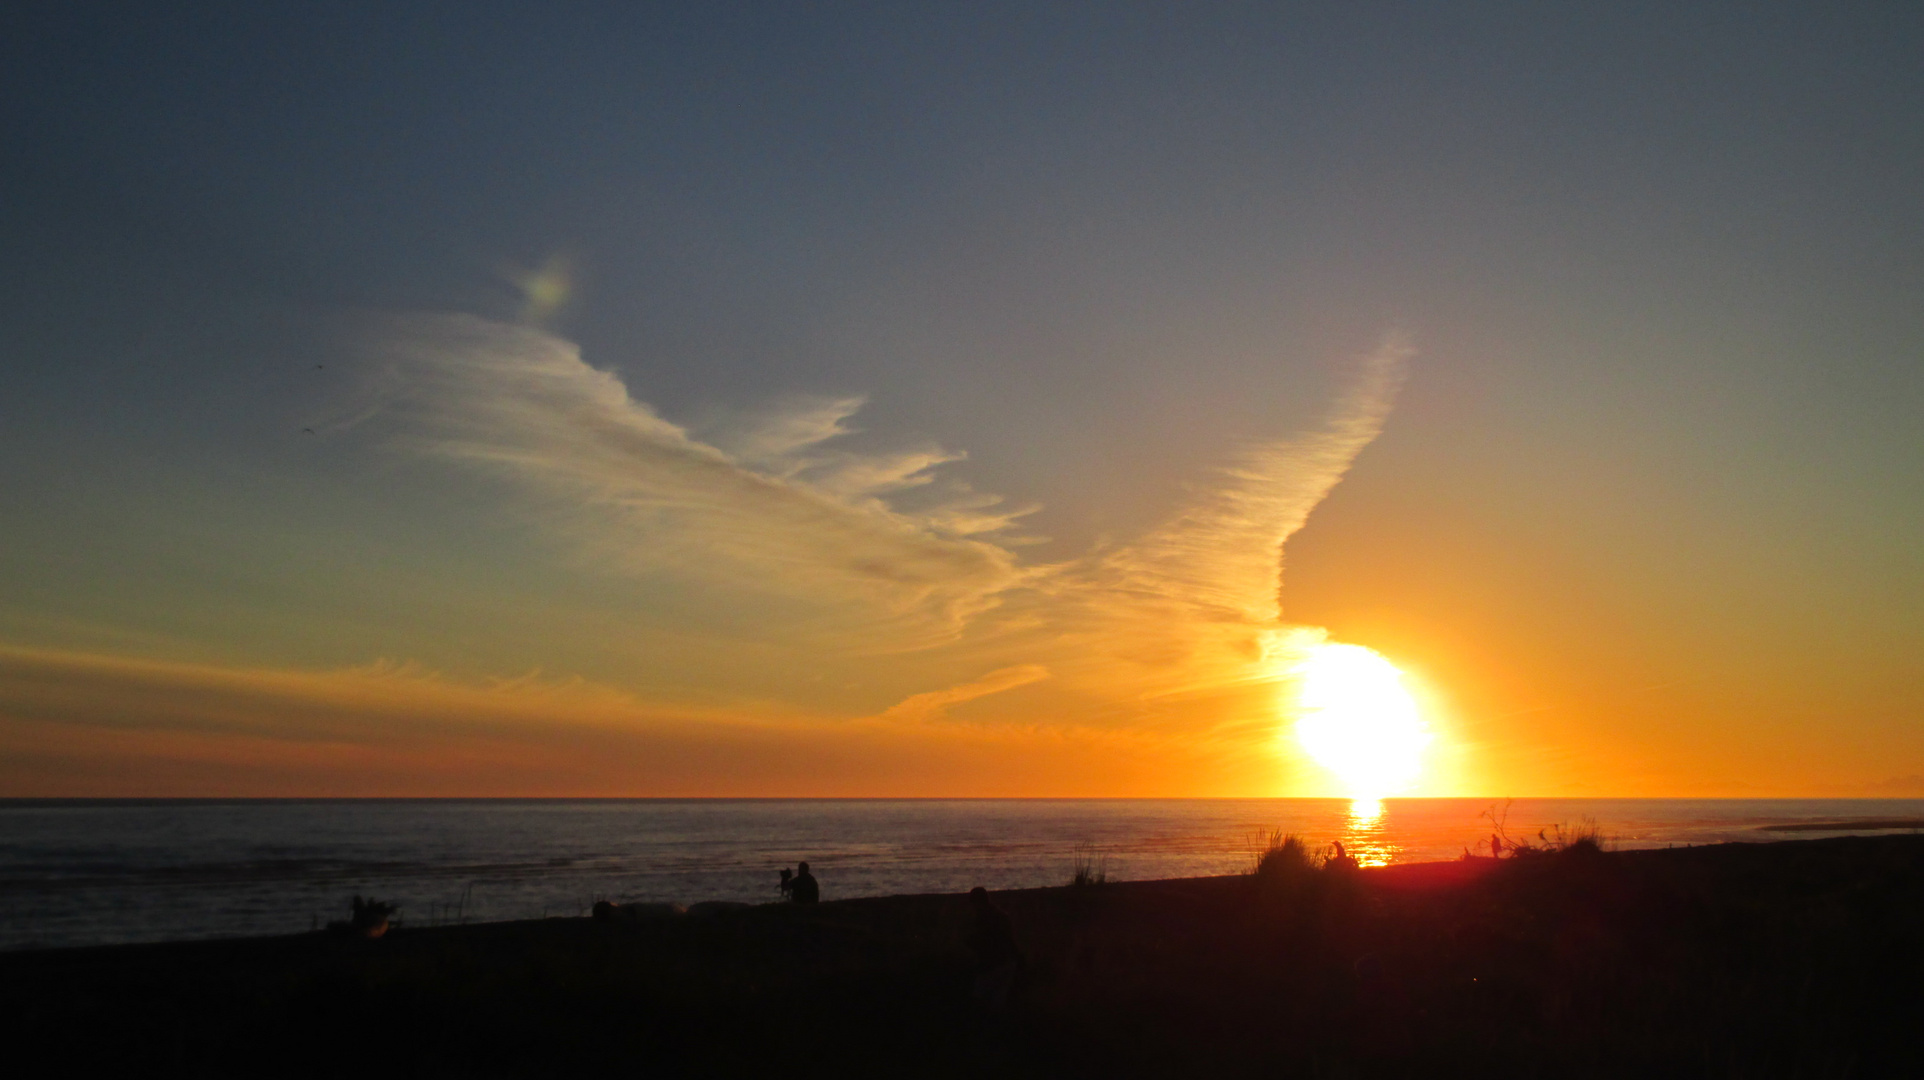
x: 1873, y: 824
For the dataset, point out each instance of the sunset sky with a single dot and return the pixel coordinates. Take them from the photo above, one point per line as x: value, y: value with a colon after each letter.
x: 952, y: 400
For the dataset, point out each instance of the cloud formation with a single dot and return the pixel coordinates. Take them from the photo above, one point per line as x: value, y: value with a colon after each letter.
x: 767, y: 504
x: 1154, y: 652
x: 767, y: 501
x: 1222, y: 555
x: 88, y: 724
x: 1195, y: 603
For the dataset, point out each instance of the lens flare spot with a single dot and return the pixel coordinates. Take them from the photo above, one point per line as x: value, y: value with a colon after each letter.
x: 1357, y: 719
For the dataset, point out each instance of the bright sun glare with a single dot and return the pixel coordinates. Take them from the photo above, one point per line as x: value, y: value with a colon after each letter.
x: 1357, y: 719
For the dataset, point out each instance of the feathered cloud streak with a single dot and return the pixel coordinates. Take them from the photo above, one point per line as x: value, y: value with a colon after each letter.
x: 766, y: 504
x: 1222, y: 556
x: 769, y: 501
x: 1195, y: 603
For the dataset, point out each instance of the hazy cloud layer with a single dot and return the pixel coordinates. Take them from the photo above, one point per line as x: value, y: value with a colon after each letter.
x: 76, y: 723
x: 1912, y: 785
x: 935, y: 703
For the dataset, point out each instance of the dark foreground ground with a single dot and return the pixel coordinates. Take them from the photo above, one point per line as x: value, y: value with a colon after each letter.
x: 1798, y: 959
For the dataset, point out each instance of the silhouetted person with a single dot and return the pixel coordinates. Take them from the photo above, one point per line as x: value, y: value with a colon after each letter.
x: 788, y: 882
x: 370, y: 918
x: 802, y: 887
x: 997, y: 960
x: 1496, y: 846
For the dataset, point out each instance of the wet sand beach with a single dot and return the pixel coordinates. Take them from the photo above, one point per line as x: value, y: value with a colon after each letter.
x: 1795, y: 958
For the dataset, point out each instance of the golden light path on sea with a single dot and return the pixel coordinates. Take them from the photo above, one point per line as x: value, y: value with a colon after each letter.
x: 1364, y: 835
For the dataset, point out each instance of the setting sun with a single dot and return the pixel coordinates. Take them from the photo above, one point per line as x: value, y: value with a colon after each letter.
x: 1357, y: 719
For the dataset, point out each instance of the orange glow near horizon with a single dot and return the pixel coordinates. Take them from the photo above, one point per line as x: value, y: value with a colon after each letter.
x: 1356, y: 719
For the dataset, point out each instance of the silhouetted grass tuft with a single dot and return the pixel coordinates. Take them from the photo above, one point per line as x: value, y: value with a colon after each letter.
x: 1091, y: 866
x: 1280, y: 854
x: 1584, y: 838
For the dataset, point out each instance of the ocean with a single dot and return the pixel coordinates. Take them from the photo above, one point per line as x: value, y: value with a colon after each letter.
x: 85, y: 872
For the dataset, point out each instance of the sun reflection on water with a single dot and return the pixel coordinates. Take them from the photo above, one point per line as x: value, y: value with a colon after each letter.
x: 1364, y: 835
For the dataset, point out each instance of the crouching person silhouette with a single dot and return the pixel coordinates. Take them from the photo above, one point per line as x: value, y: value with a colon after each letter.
x: 998, y: 963
x: 801, y: 888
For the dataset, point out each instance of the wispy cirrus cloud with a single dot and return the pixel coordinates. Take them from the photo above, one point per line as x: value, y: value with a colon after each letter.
x: 1222, y: 554
x: 1195, y: 603
x: 767, y: 501
x: 764, y: 503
